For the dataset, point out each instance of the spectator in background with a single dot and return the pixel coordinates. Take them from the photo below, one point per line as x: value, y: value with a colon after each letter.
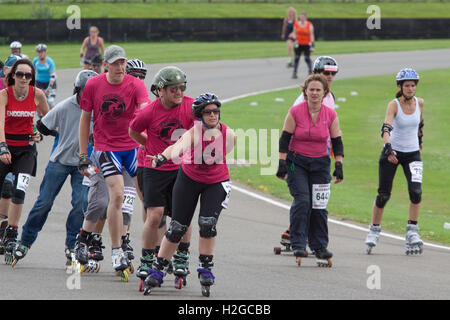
x: 288, y: 27
x: 304, y: 34
x: 96, y: 63
x: 91, y: 46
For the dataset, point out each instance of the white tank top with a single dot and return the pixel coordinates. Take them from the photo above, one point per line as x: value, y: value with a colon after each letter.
x: 404, y: 135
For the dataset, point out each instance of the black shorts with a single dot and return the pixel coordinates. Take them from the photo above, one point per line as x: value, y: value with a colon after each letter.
x: 140, y: 178
x: 187, y: 193
x: 158, y: 185
x: 23, y: 165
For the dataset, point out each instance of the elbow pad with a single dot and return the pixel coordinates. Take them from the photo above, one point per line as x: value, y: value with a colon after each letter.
x: 53, y: 77
x: 386, y: 128
x: 338, y: 146
x: 44, y: 130
x: 285, y: 139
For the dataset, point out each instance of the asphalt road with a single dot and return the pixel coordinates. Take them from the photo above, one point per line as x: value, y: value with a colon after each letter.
x: 245, y: 266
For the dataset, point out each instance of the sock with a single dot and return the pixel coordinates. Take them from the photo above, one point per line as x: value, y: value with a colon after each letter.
x: 412, y: 222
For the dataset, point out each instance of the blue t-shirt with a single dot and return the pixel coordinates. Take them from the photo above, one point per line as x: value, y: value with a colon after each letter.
x: 43, y: 70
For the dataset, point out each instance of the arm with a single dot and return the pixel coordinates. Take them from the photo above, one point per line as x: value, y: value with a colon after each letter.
x: 83, y: 47
x: 41, y: 101
x: 391, y: 112
x: 5, y: 156
x: 283, y: 28
x: 420, y: 132
x: 311, y: 34
x: 231, y: 141
x: 102, y: 45
x: 288, y: 130
x: 139, y: 137
x: 338, y: 150
x: 85, y: 124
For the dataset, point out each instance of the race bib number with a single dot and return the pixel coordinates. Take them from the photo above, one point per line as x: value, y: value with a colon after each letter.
x: 23, y: 180
x: 227, y: 187
x: 129, y: 194
x: 86, y: 181
x: 320, y: 195
x: 416, y: 168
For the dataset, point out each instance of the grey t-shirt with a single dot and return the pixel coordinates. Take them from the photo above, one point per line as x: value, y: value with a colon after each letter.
x: 65, y: 117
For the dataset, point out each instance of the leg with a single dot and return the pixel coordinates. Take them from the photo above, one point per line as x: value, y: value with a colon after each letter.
x: 54, y: 178
x: 114, y: 213
x: 296, y: 60
x: 79, y: 205
x: 386, y: 173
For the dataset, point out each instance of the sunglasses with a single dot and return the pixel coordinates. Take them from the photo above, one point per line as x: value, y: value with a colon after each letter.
x: 27, y: 75
x: 175, y: 88
x: 138, y: 75
x: 327, y: 73
x: 214, y: 111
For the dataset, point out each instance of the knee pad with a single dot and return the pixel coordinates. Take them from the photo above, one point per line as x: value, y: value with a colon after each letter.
x: 18, y: 197
x: 176, y: 231
x: 207, y: 227
x: 415, y: 196
x: 163, y: 222
x: 382, y: 199
x: 7, y: 189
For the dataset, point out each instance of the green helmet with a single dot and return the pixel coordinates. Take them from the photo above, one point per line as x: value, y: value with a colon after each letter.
x: 166, y: 77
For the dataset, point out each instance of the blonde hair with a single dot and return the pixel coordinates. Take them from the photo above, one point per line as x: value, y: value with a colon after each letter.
x: 315, y: 77
x: 292, y: 9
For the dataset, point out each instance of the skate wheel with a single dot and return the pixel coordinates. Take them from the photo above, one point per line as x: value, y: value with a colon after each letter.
x: 178, y: 283
x: 184, y: 282
x: 141, y: 285
x: 81, y: 269
x: 205, y: 291
x: 147, y: 291
x: 124, y: 275
x: 277, y: 250
x: 131, y: 267
x: 14, y: 262
x: 97, y: 268
x: 369, y: 249
x: 299, y: 261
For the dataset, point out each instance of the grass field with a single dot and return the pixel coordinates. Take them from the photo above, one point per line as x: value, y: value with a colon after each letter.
x: 66, y: 55
x: 183, y: 9
x: 361, y: 117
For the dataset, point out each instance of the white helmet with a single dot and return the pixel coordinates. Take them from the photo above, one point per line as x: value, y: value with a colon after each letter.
x: 15, y: 45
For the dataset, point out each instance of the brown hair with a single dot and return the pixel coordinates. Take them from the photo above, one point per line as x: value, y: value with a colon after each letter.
x: 10, y: 80
x: 315, y: 77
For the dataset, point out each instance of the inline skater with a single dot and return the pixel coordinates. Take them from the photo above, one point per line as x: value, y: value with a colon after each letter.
x: 304, y: 35
x: 328, y: 67
x: 16, y: 49
x: 62, y: 163
x: 203, y: 175
x: 402, y: 136
x: 91, y: 45
x: 305, y: 161
x: 112, y: 98
x: 45, y: 74
x: 158, y: 126
x: 19, y: 104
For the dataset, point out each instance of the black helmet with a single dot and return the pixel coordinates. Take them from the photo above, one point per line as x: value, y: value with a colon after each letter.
x: 325, y: 63
x: 202, y: 101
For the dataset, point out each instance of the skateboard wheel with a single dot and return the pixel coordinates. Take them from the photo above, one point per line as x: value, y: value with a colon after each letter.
x: 277, y: 250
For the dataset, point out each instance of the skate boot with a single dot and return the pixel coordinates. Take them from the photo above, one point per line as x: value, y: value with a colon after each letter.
x: 156, y: 275
x: 120, y: 264
x: 95, y: 253
x: 70, y: 260
x: 3, y: 225
x: 413, y: 242
x: 299, y: 254
x: 82, y: 252
x: 323, y: 258
x: 372, y: 237
x: 294, y: 75
x: 20, y: 251
x: 9, y: 243
x: 205, y: 275
x: 285, y: 242
x: 180, y: 268
x: 128, y: 250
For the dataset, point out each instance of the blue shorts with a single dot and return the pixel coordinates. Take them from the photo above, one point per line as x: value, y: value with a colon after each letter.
x: 112, y: 162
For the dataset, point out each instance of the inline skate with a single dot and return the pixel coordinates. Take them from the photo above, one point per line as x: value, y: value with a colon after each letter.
x: 372, y: 238
x: 205, y: 275
x: 413, y: 242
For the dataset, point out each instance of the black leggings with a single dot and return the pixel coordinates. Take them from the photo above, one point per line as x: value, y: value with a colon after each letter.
x: 186, y: 193
x: 387, y: 172
x: 298, y: 52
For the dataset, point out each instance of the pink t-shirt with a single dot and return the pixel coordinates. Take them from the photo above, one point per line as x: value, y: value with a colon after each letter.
x: 206, y: 162
x: 311, y: 140
x: 164, y: 127
x: 113, y: 108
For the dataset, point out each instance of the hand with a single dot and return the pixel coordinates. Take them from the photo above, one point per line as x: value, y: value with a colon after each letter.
x: 158, y: 160
x: 282, y: 169
x: 36, y: 137
x: 5, y: 156
x: 338, y: 172
x: 389, y: 153
x: 83, y: 165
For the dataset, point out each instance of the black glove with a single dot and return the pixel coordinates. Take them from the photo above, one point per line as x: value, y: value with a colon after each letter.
x: 84, y: 162
x: 387, y: 150
x: 282, y: 169
x: 160, y: 160
x: 3, y: 148
x: 338, y: 173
